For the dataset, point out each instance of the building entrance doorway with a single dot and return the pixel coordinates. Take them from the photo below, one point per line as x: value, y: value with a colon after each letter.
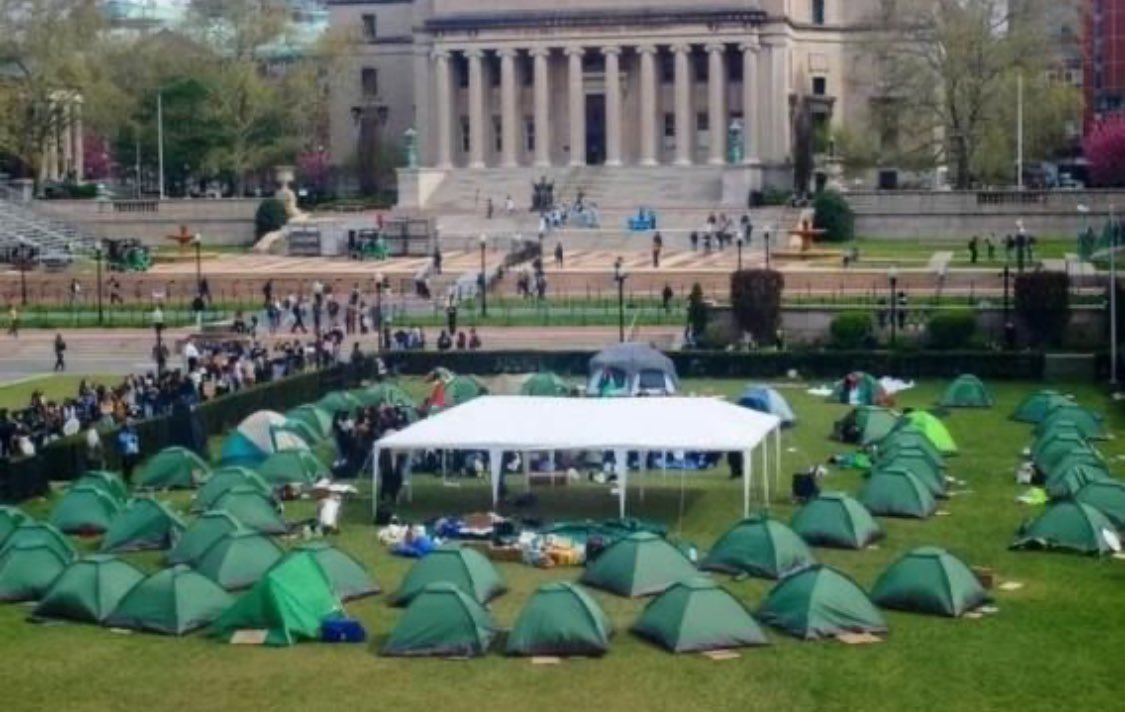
x: 595, y: 129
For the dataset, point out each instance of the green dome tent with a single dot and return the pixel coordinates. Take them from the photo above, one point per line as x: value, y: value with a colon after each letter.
x: 290, y: 602
x: 1108, y: 497
x: 917, y: 463
x: 1068, y: 525
x: 348, y: 577
x: 820, y: 602
x: 1066, y: 482
x: 85, y: 510
x: 384, y: 394
x: 836, y: 520
x: 174, y: 601
x: 1084, y: 421
x: 697, y: 615
x: 641, y: 564
x: 239, y: 559
x: 911, y: 452
x: 546, y: 384
x: 292, y: 467
x: 896, y: 493
x: 10, y: 518
x: 560, y: 619
x: 1055, y: 445
x: 302, y: 430
x: 465, y: 568
x: 966, y: 391
x: 27, y: 570
x: 113, y: 485
x: 144, y: 524
x: 173, y: 468
x: 865, y: 390
x: 864, y: 425
x: 257, y: 437
x: 1087, y: 456
x: 758, y: 546
x: 224, y: 479
x: 442, y: 620
x: 89, y: 589
x: 252, y: 509
x: 338, y: 401
x: 32, y: 532
x: 210, y: 527
x: 906, y: 435
x: 1034, y: 407
x: 934, y: 430
x: 929, y: 580
x: 316, y: 419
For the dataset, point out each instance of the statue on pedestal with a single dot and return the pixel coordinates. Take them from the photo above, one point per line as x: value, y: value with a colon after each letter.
x: 542, y: 195
x: 284, y: 176
x: 734, y: 142
x: 411, y: 137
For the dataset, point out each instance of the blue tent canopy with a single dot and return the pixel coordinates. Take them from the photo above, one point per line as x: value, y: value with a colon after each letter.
x: 767, y: 400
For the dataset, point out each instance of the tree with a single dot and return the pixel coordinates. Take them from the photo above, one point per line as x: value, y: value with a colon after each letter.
x: 1043, y: 302
x: 944, y: 73
x: 698, y: 314
x: 1104, y: 148
x: 755, y: 297
x: 832, y: 214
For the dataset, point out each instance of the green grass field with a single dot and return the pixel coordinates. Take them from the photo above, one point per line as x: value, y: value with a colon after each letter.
x: 58, y: 388
x: 1057, y: 642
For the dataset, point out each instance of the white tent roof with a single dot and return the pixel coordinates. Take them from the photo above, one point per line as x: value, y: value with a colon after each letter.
x: 529, y: 424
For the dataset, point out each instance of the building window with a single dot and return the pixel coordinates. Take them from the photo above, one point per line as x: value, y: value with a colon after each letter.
x: 498, y: 132
x: 492, y: 66
x: 465, y: 134
x: 702, y: 67
x: 463, y: 72
x: 669, y: 125
x: 370, y: 28
x: 529, y: 133
x: 702, y: 121
x: 369, y: 80
x: 819, y: 86
x: 734, y: 66
x: 818, y: 12
x: 667, y: 68
x: 527, y: 71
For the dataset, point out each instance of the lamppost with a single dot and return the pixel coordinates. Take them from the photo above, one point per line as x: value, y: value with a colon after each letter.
x: 1008, y: 332
x: 619, y: 276
x: 892, y: 277
x: 22, y: 254
x: 158, y: 327
x: 197, y: 240
x: 98, y: 263
x: 738, y: 242
x: 379, y: 312
x: 483, y: 278
x: 1021, y: 244
x: 766, y: 237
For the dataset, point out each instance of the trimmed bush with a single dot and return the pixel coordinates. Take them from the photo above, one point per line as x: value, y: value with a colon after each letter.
x: 851, y: 330
x: 951, y: 330
x: 1043, y: 304
x: 833, y: 215
x: 698, y: 315
x: 271, y: 216
x: 755, y: 297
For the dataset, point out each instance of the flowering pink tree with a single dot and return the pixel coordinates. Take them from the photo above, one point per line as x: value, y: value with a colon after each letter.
x: 96, y: 160
x: 1104, y: 148
x: 313, y: 169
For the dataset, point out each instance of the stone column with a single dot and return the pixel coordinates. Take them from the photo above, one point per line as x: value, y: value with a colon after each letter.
x: 444, y: 111
x: 777, y: 145
x: 648, y: 104
x: 542, y: 107
x: 79, y: 141
x: 612, y: 105
x: 66, y: 129
x: 716, y: 116
x: 577, y: 108
x: 683, y: 104
x: 751, y: 104
x: 51, y: 157
x: 508, y: 119
x: 476, y: 108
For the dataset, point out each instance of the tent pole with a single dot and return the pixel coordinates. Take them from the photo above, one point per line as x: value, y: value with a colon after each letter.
x: 526, y: 472
x: 747, y: 475
x: 642, y: 475
x: 766, y: 477
x: 621, y: 457
x: 777, y: 459
x: 409, y: 475
x: 495, y: 467
x: 444, y: 473
x: 374, y: 481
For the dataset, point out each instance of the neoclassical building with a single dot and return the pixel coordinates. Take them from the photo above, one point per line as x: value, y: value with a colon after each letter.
x: 506, y: 84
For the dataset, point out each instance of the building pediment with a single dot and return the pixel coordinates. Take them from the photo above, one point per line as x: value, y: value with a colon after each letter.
x: 637, y: 16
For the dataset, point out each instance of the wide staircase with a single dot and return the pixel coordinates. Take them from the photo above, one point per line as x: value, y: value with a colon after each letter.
x: 21, y: 223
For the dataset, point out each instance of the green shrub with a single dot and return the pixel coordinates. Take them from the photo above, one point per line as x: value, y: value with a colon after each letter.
x: 1043, y: 303
x: 271, y: 216
x: 697, y: 312
x: 951, y: 329
x: 833, y: 215
x: 755, y: 297
x: 851, y: 330
x: 775, y: 196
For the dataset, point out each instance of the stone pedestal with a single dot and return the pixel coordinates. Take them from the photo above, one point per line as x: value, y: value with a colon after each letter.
x: 416, y: 186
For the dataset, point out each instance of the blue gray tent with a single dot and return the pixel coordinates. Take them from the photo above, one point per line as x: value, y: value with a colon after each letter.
x: 630, y: 369
x: 767, y: 400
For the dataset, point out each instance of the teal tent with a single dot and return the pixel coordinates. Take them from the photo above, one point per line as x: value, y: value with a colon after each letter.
x: 223, y: 480
x: 1071, y: 526
x: 89, y: 589
x: 259, y: 436
x: 317, y: 420
x: 239, y: 559
x: 697, y: 615
x: 112, y: 483
x: 348, y: 577
x: 252, y: 509
x: 32, y: 532
x: 929, y: 580
x: 85, y: 510
x: 1084, y: 421
x: 210, y: 527
x: 893, y: 492
x: 174, y: 601
x: 820, y: 602
x: 463, y: 567
x: 144, y: 524
x: 10, y: 518
x: 1035, y: 407
x: 836, y: 520
x: 641, y: 564
x: 1108, y: 497
x: 560, y: 619
x: 761, y: 547
x: 28, y: 570
x: 173, y: 468
x: 443, y: 621
x: 293, y: 467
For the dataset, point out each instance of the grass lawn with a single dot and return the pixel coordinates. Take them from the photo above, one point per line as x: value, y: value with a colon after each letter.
x: 1058, y: 641
x: 908, y: 251
x: 18, y: 394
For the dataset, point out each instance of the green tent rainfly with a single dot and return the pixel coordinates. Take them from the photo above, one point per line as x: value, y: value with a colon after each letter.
x: 836, y: 520
x: 1070, y: 526
x: 560, y: 619
x: 223, y: 480
x: 173, y: 468
x: 28, y: 570
x: 966, y: 391
x: 697, y: 615
x: 864, y: 425
x: 929, y: 580
x: 317, y: 420
x: 932, y: 427
x: 10, y: 518
x: 210, y: 527
x: 917, y: 463
x: 820, y: 602
x: 1108, y: 497
x: 348, y: 577
x: 892, y: 492
x: 465, y: 568
x: 1068, y: 481
x: 290, y: 603
x: 85, y: 510
x: 546, y: 384
x: 292, y: 467
x: 89, y: 589
x: 30, y: 532
x: 761, y: 547
x: 1035, y: 407
x: 1074, y: 416
x: 108, y: 481
x: 144, y: 524
x: 384, y: 394
x: 641, y: 564
x: 442, y: 620
x: 174, y: 601
x: 252, y: 509
x: 239, y: 559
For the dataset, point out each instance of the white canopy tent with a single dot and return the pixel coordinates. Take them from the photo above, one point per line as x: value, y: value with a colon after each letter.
x: 499, y: 424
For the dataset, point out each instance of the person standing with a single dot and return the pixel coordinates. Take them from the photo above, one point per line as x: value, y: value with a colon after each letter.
x: 13, y: 321
x: 973, y: 250
x: 298, y: 318
x: 451, y: 316
x: 488, y: 209
x: 437, y: 259
x: 509, y: 205
x: 657, y: 246
x: 666, y: 297
x: 129, y: 448
x: 559, y: 255
x: 60, y: 353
